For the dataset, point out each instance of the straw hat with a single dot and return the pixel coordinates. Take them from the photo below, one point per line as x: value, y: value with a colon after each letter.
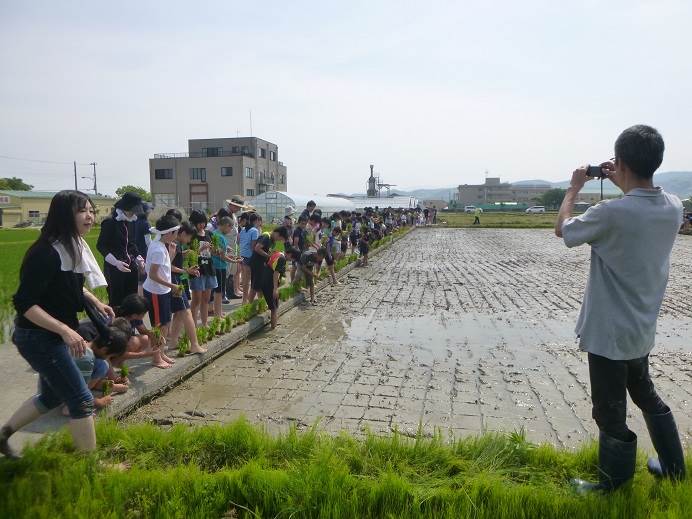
x: 239, y: 203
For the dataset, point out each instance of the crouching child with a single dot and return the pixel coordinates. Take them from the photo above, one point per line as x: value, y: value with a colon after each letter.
x: 102, y: 349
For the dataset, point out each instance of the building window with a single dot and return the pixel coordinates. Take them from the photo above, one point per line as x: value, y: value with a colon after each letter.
x: 227, y: 172
x: 34, y: 214
x: 198, y: 174
x: 249, y: 173
x: 212, y: 152
x: 235, y: 149
x: 249, y: 192
x: 245, y: 150
x: 165, y: 200
x: 163, y: 174
x: 272, y: 156
x: 4, y: 199
x: 263, y: 153
x: 281, y: 179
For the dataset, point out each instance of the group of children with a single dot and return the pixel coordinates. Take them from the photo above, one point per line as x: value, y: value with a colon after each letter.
x: 187, y: 268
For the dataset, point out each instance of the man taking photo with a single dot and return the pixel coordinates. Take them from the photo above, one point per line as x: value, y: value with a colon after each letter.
x: 631, y: 239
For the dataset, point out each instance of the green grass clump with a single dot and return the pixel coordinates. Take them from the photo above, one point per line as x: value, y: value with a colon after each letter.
x: 238, y: 469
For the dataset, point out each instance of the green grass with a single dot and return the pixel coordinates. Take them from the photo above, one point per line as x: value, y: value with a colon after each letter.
x: 237, y: 470
x: 14, y: 243
x: 500, y: 220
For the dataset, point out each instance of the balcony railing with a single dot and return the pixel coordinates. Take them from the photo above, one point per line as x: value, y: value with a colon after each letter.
x: 202, y: 155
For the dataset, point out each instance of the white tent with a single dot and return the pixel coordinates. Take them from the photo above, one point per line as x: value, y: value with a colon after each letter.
x: 395, y: 202
x: 272, y: 204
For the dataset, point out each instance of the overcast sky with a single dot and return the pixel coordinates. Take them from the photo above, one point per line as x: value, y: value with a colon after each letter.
x: 432, y: 93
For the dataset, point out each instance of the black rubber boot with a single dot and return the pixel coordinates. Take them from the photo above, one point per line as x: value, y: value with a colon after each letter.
x: 666, y: 440
x: 616, y: 463
x: 5, y: 448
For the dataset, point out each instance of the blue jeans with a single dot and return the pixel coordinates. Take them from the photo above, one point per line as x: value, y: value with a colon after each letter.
x: 60, y: 381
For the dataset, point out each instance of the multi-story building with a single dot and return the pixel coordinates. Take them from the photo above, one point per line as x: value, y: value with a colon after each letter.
x: 213, y: 170
x: 493, y: 191
x: 31, y: 207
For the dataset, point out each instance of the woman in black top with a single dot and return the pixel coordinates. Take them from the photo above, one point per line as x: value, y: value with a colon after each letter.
x: 51, y: 293
x: 116, y: 243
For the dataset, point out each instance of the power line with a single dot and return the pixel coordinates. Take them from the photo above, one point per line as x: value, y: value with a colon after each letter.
x: 42, y: 161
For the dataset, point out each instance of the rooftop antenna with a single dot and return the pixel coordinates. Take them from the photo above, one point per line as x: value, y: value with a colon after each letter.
x: 250, y: 123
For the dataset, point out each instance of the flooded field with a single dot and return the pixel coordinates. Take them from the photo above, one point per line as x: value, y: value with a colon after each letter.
x: 462, y: 330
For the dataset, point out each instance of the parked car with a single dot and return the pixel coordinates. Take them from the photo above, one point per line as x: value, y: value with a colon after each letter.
x: 536, y: 209
x: 471, y: 209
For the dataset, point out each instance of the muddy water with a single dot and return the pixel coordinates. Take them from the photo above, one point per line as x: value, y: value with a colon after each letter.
x: 462, y: 330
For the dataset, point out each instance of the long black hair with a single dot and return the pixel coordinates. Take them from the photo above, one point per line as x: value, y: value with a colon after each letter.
x: 60, y: 223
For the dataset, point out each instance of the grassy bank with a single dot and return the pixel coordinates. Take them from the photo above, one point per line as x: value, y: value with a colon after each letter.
x: 500, y: 220
x: 239, y: 471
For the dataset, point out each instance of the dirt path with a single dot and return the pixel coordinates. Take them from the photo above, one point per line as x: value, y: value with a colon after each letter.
x: 465, y: 330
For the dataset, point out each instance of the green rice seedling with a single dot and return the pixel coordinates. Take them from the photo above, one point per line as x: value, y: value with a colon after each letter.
x: 107, y: 387
x: 215, y: 326
x: 262, y: 306
x: 158, y: 335
x: 201, y: 332
x: 215, y: 242
x: 183, y: 346
x: 237, y: 316
x: 124, y: 371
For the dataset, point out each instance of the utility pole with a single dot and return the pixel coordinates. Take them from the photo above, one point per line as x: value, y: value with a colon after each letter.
x: 75, y: 175
x: 95, y: 188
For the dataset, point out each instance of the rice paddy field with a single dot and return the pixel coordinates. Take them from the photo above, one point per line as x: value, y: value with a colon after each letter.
x: 237, y: 470
x: 499, y: 220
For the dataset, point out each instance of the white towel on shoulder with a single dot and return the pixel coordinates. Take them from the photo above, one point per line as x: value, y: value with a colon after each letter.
x: 87, y: 265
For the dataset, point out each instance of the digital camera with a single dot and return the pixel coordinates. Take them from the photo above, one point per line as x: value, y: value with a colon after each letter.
x: 596, y: 172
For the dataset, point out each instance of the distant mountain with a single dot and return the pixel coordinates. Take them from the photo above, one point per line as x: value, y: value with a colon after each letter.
x: 532, y: 183
x: 423, y: 194
x: 676, y: 182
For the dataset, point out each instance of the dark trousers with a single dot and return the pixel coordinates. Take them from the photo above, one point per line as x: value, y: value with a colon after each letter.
x: 610, y: 382
x: 476, y: 221
x: 120, y: 284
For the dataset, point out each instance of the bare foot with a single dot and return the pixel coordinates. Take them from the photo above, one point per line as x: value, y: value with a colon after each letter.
x: 198, y: 350
x: 120, y: 388
x: 166, y: 358
x: 161, y: 364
